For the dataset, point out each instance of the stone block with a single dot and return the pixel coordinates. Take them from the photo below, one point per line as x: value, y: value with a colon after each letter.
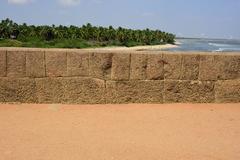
x: 21, y: 90
x: 134, y: 92
x: 77, y: 64
x: 228, y: 67
x: 188, y: 91
x: 219, y: 67
x: 138, y: 70
x: 3, y: 65
x: 56, y: 63
x: 120, y: 66
x: 190, y: 67
x: 100, y: 65
x: 208, y: 68
x: 70, y: 90
x: 228, y: 91
x: 16, y: 64
x: 155, y: 70
x: 35, y: 64
x: 85, y: 91
x: 51, y: 90
x: 172, y: 66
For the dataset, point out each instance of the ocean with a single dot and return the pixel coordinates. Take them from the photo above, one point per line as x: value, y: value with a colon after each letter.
x: 206, y: 45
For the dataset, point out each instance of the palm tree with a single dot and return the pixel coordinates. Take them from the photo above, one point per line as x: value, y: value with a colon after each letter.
x: 9, y: 29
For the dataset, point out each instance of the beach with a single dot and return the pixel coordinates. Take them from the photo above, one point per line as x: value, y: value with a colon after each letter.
x: 139, y: 48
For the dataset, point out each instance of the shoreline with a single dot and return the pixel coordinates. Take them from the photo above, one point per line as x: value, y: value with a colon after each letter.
x: 111, y: 48
x: 136, y: 48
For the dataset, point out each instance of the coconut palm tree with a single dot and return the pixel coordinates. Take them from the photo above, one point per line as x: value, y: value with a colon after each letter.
x: 9, y: 29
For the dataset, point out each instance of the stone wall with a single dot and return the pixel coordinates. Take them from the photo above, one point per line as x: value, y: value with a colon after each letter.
x: 99, y: 77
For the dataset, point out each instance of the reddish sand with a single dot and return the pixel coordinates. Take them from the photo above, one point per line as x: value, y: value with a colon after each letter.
x: 120, y: 132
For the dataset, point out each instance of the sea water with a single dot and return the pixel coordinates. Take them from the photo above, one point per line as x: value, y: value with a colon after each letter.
x: 206, y: 45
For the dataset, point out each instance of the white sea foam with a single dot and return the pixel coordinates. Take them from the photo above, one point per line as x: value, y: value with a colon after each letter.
x: 227, y: 49
x: 218, y: 44
x: 219, y: 50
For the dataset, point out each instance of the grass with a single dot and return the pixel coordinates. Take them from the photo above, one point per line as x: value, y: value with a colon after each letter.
x: 10, y: 43
x: 65, y: 43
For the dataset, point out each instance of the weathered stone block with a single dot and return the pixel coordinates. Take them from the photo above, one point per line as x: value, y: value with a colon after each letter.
x: 219, y: 67
x: 70, y: 90
x: 138, y: 69
x: 17, y: 90
x: 16, y: 64
x: 121, y: 66
x: 188, y: 91
x: 100, y: 65
x: 172, y: 66
x: 134, y: 91
x: 190, y: 67
x: 35, y: 64
x: 3, y: 65
x: 50, y: 90
x: 228, y: 67
x: 77, y: 64
x: 85, y: 91
x: 155, y: 70
x: 208, y: 68
x: 56, y: 63
x: 228, y: 91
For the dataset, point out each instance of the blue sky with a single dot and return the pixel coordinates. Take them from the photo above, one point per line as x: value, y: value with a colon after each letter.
x: 189, y: 18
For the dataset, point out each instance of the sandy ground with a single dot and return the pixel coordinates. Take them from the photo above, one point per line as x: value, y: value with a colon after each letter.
x: 114, y: 48
x: 120, y: 132
x: 136, y: 48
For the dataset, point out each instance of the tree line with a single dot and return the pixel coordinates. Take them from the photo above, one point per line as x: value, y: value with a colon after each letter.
x: 12, y: 30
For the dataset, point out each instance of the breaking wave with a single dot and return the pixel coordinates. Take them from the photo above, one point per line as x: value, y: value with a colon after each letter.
x: 218, y: 44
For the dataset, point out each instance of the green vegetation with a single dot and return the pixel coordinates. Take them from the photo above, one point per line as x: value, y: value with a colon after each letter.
x: 23, y: 35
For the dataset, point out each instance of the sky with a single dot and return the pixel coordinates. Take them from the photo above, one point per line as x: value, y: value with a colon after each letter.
x: 185, y: 18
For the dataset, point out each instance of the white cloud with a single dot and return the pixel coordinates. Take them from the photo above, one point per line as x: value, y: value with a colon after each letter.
x: 19, y: 1
x: 67, y: 3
